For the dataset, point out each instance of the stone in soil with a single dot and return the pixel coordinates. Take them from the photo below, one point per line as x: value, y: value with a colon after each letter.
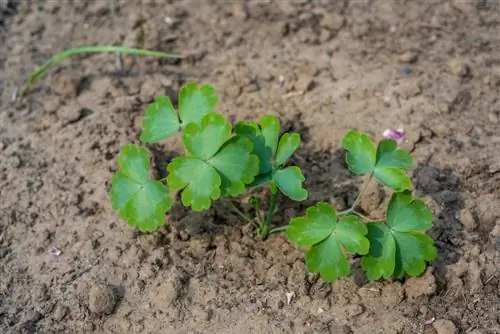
x: 444, y: 326
x: 102, y: 299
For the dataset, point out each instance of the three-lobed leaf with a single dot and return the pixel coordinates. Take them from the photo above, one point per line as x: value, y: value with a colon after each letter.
x: 195, y: 102
x: 328, y: 240
x: 140, y: 201
x: 161, y: 120
x: 218, y: 164
x: 273, y: 151
x: 236, y: 165
x: 401, y: 245
x: 200, y: 183
x: 204, y: 140
x: 387, y: 162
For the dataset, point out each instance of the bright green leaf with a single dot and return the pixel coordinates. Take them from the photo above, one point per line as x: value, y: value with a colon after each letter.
x: 389, y: 156
x: 252, y: 131
x: 288, y: 144
x: 328, y: 240
x: 386, y: 162
x: 390, y: 165
x: 200, y: 182
x: 400, y: 246
x: 289, y: 180
x: 205, y: 140
x: 270, y: 127
x: 393, y: 178
x: 361, y: 152
x: 236, y: 165
x: 160, y: 121
x: 195, y: 102
x: 140, y: 201
x: 315, y: 226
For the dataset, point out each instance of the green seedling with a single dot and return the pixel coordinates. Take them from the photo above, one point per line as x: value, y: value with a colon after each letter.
x: 223, y: 161
x: 59, y: 57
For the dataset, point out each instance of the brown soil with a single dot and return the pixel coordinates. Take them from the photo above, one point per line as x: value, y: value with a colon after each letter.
x: 432, y: 67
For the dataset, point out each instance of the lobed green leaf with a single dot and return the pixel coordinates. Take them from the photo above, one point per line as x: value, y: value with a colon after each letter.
x: 236, y: 165
x: 270, y: 127
x: 289, y: 180
x: 386, y: 162
x: 204, y: 140
x: 400, y: 246
x: 196, y: 102
x: 160, y: 121
x: 288, y: 144
x: 252, y: 131
x: 328, y: 240
x: 200, y: 183
x: 140, y: 201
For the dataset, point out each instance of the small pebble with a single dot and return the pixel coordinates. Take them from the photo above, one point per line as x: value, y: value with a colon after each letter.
x: 408, y: 57
x: 444, y: 326
x: 459, y: 67
x: 102, y: 299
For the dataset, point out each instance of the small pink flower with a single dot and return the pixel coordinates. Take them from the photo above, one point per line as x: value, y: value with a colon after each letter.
x: 398, y: 135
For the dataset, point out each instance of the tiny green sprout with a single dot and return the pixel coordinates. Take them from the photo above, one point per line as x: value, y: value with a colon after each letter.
x: 222, y: 160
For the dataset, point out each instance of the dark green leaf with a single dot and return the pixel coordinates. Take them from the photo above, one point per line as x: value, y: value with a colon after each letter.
x: 236, y: 165
x: 289, y: 180
x: 400, y: 246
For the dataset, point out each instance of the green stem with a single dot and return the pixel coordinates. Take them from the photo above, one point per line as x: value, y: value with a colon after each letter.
x: 357, y: 199
x: 273, y: 207
x: 278, y: 229
x: 243, y: 215
x: 59, y: 57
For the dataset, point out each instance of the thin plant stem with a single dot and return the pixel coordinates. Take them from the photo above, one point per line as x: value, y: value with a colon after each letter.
x: 59, y: 57
x: 243, y: 215
x: 273, y: 206
x: 278, y: 229
x: 357, y: 199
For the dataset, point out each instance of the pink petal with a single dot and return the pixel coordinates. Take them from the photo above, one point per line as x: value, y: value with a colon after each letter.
x: 398, y: 135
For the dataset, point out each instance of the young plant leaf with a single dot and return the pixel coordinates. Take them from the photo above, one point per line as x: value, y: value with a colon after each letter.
x: 236, y: 165
x: 200, y: 182
x: 195, y: 102
x: 400, y: 246
x: 204, y: 140
x: 289, y: 180
x: 386, y: 162
x: 140, y: 201
x: 252, y: 131
x: 288, y: 144
x: 270, y: 126
x: 160, y: 121
x: 328, y: 240
x: 361, y: 152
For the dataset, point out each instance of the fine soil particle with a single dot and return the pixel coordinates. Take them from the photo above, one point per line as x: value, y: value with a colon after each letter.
x: 324, y: 67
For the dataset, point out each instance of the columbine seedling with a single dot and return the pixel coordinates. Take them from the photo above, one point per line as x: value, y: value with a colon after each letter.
x: 220, y: 162
x: 223, y: 161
